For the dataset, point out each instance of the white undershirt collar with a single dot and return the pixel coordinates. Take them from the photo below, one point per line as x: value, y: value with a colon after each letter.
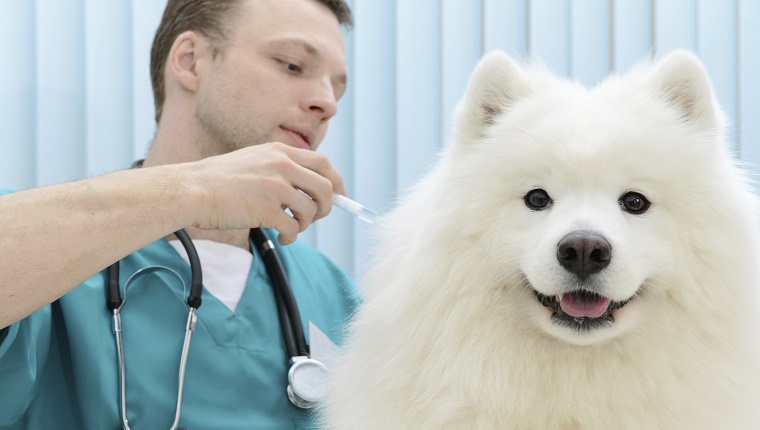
x: 225, y: 268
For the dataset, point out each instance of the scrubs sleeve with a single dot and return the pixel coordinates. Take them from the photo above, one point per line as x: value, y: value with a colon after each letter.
x: 24, y: 349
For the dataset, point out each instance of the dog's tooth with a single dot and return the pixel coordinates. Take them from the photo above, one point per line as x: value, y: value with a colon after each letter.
x: 559, y: 297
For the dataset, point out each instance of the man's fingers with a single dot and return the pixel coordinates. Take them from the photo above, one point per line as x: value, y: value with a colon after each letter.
x: 320, y: 164
x: 303, y: 208
x: 288, y: 227
x: 319, y: 190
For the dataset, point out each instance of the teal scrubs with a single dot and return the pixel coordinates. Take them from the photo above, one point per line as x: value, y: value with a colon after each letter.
x: 58, y: 367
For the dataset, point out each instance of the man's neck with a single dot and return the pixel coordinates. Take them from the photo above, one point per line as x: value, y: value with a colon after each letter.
x: 238, y: 238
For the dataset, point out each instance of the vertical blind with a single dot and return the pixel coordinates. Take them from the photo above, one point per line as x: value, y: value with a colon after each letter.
x: 76, y: 102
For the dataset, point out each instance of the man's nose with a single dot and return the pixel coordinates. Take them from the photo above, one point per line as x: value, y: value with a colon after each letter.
x: 321, y: 101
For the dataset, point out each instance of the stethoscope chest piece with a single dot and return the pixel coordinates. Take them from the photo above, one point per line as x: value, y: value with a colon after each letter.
x: 307, y: 382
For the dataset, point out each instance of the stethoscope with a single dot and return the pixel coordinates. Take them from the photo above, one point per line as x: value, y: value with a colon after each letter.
x: 306, y: 376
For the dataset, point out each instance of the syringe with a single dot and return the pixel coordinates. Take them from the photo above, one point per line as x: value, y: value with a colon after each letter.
x: 354, y: 208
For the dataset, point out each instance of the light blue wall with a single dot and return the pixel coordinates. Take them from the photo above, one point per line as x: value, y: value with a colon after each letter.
x: 76, y: 99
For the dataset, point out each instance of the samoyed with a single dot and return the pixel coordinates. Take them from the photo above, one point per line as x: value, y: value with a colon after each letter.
x: 577, y: 259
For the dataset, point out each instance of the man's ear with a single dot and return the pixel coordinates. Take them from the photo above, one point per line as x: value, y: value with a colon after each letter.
x: 188, y: 50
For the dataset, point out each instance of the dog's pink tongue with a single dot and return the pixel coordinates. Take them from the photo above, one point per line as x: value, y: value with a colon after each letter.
x: 577, y: 306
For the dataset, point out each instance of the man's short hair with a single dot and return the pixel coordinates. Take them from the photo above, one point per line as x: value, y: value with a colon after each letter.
x: 210, y: 18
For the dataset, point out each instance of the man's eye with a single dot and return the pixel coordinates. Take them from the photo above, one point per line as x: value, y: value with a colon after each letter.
x: 290, y: 66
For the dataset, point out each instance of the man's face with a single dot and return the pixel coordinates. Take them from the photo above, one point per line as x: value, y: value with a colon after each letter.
x: 278, y: 78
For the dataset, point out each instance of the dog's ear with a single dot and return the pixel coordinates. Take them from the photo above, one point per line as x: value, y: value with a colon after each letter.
x: 681, y: 81
x: 495, y: 85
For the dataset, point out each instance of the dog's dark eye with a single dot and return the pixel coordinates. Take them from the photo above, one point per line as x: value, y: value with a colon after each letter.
x: 537, y: 199
x: 634, y: 203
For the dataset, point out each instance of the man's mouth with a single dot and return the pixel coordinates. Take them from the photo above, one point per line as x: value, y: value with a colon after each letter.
x: 301, y: 137
x: 581, y: 310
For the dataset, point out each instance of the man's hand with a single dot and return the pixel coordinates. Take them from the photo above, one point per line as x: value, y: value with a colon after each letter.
x: 253, y: 186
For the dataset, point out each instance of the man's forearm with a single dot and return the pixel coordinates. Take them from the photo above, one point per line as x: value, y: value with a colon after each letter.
x: 53, y: 238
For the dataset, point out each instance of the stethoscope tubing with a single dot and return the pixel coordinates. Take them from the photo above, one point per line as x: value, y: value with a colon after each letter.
x: 287, y: 311
x: 194, y: 300
x: 295, y: 341
x: 114, y: 301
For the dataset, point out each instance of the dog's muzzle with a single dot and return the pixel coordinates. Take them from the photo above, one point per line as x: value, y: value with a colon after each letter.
x: 582, y: 253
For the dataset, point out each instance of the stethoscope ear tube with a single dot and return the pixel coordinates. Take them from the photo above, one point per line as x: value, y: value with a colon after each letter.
x: 113, y: 298
x: 113, y: 292
x: 196, y: 288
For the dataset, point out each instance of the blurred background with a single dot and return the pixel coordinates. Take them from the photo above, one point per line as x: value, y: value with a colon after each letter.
x: 76, y: 101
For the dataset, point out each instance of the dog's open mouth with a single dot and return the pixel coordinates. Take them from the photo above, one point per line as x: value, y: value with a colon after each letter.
x: 581, y: 309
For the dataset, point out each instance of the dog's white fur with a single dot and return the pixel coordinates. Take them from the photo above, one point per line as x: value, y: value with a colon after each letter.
x: 452, y: 336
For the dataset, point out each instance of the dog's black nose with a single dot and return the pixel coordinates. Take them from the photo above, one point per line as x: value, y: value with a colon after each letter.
x: 583, y: 252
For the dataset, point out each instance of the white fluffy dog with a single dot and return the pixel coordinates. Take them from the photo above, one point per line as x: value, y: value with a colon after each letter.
x: 577, y: 259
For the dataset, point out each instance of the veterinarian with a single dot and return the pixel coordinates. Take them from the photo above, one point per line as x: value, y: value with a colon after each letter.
x: 243, y: 90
